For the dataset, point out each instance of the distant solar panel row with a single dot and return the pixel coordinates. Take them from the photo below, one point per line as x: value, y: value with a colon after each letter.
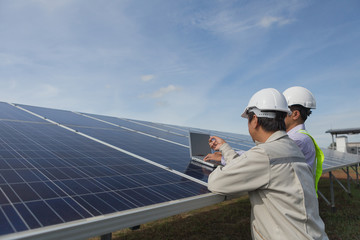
x: 335, y: 160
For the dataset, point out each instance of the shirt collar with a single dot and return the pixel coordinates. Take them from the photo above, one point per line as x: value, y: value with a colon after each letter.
x: 297, y: 128
x: 275, y: 136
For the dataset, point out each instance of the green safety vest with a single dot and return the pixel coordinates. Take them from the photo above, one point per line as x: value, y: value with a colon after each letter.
x: 318, y: 161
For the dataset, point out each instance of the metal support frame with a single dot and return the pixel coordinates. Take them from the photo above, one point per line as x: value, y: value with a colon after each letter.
x: 355, y: 168
x: 346, y: 189
x: 106, y: 236
x: 332, y: 192
x: 342, y: 186
x: 323, y: 197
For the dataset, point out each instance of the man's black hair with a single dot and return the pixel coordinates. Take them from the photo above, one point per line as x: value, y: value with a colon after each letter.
x: 271, y: 124
x: 304, y: 112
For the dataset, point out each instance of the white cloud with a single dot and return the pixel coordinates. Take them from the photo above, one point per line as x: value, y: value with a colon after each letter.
x: 165, y: 90
x: 268, y: 21
x: 228, y: 19
x: 147, y: 78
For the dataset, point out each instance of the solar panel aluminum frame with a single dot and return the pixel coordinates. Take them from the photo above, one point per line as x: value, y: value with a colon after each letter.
x: 326, y: 170
x: 328, y: 160
x: 100, y: 225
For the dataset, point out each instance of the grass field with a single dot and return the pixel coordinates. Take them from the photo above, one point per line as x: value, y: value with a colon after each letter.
x: 231, y: 219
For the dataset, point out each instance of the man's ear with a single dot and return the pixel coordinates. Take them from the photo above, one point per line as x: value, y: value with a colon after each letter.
x: 254, y: 122
x: 295, y: 114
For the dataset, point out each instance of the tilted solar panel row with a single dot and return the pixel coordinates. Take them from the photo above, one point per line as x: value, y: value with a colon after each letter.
x: 174, y: 156
x: 61, y: 167
x: 49, y: 175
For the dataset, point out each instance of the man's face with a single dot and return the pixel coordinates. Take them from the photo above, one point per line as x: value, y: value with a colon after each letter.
x: 251, y: 127
x: 288, y: 121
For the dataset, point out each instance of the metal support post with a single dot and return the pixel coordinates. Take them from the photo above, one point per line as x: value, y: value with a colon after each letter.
x: 333, y: 209
x: 348, y: 180
x: 106, y: 236
x: 323, y: 197
x: 357, y: 175
x: 355, y: 168
x: 341, y: 185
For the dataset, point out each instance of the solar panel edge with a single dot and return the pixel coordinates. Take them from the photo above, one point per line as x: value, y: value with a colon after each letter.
x: 99, y: 225
x: 155, y: 127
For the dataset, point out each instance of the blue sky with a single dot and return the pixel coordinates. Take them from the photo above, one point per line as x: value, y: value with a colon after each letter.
x: 190, y: 63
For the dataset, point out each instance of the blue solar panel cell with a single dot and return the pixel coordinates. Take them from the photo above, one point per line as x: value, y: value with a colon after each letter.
x: 43, y: 190
x: 28, y: 217
x: 99, y: 204
x: 11, y: 176
x: 14, y: 217
x: 117, y: 202
x: 6, y: 228
x: 65, y: 211
x: 77, y: 207
x: 43, y: 213
x: 9, y: 193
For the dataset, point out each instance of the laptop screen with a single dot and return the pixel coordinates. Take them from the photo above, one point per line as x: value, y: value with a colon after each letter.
x: 199, y: 144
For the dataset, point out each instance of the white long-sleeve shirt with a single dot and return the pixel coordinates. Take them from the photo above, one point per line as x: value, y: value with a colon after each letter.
x: 305, y: 144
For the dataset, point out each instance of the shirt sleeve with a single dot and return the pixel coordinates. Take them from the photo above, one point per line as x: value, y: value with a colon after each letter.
x: 223, y: 162
x: 243, y: 173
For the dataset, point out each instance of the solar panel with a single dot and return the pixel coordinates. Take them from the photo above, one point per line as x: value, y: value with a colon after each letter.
x: 8, y: 112
x: 335, y: 159
x: 151, y: 129
x: 171, y: 128
x: 67, y: 175
x: 162, y: 147
x: 51, y: 176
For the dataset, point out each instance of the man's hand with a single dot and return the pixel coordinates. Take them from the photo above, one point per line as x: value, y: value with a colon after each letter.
x: 216, y: 156
x: 216, y: 142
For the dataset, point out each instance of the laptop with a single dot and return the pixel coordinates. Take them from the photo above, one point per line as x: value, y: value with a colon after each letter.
x: 199, y: 148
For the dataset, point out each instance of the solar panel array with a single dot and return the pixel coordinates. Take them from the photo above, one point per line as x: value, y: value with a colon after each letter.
x: 51, y: 175
x: 59, y: 166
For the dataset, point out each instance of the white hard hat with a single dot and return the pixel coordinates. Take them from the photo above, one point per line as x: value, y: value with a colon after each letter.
x: 268, y: 100
x: 300, y: 96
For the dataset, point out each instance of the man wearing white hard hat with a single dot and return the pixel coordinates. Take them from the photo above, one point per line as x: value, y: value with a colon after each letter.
x: 274, y: 174
x: 300, y: 101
